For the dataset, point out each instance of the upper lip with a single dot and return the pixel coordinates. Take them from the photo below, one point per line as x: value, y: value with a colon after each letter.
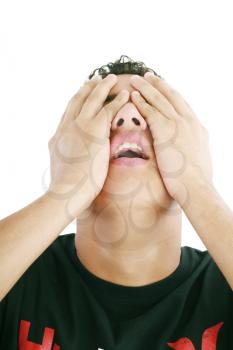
x: 130, y: 137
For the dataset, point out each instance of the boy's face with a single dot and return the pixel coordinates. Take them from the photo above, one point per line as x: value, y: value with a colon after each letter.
x: 128, y: 180
x: 129, y: 123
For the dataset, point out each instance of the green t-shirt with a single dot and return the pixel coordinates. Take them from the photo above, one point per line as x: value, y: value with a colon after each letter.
x: 59, y: 305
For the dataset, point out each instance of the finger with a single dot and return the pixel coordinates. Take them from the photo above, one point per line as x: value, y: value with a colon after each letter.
x: 96, y: 99
x: 173, y: 96
x: 75, y: 105
x: 153, y: 96
x: 147, y: 111
x: 163, y: 129
x: 100, y: 125
x: 109, y: 111
x: 76, y: 101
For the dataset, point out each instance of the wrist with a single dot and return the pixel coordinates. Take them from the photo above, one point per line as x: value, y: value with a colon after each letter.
x: 194, y: 183
x: 69, y: 202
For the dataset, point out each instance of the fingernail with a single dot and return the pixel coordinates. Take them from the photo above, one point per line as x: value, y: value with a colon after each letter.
x: 111, y: 77
x: 96, y: 78
x: 135, y: 77
x: 148, y: 74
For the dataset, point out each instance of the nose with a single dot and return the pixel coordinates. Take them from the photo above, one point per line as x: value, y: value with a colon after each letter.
x: 128, y: 118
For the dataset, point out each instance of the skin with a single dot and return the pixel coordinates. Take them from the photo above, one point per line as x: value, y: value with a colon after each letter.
x: 129, y: 224
x: 131, y: 233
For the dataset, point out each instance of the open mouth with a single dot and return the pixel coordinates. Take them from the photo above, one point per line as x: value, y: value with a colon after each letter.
x: 130, y: 158
x: 131, y: 154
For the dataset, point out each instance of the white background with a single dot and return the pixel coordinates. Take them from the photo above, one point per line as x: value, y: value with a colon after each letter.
x: 48, y: 48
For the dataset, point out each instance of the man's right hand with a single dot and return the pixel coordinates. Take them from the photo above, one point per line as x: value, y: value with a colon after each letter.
x: 80, y: 148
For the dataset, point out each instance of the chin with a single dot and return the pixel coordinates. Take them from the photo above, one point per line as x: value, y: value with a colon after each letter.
x: 127, y: 185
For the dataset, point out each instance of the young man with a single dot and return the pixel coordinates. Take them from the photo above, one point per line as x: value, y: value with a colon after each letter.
x: 125, y: 166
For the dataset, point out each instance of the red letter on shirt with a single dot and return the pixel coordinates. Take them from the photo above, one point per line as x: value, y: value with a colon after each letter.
x: 25, y: 344
x: 209, y: 340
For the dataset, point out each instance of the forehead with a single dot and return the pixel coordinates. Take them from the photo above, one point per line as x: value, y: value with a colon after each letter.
x: 123, y: 82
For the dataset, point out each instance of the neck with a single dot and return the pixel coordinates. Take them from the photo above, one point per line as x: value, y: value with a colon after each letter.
x: 131, y: 245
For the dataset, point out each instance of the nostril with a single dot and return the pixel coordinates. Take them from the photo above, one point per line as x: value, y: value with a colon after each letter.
x: 136, y: 121
x: 120, y: 122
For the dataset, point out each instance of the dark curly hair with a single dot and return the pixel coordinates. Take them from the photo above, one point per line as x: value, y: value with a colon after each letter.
x: 125, y: 65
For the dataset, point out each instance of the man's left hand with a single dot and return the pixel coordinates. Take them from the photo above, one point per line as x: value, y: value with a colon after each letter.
x: 181, y: 142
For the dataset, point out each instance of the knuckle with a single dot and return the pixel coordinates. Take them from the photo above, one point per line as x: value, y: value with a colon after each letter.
x: 116, y: 102
x: 77, y: 95
x: 147, y: 108
x: 92, y: 98
x: 80, y: 124
x: 51, y: 142
x: 108, y: 110
x: 156, y: 94
x: 73, y: 101
x: 172, y: 91
x: 90, y: 102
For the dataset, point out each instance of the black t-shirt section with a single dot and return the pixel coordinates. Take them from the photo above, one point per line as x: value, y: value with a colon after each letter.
x: 85, y: 312
x: 125, y: 302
